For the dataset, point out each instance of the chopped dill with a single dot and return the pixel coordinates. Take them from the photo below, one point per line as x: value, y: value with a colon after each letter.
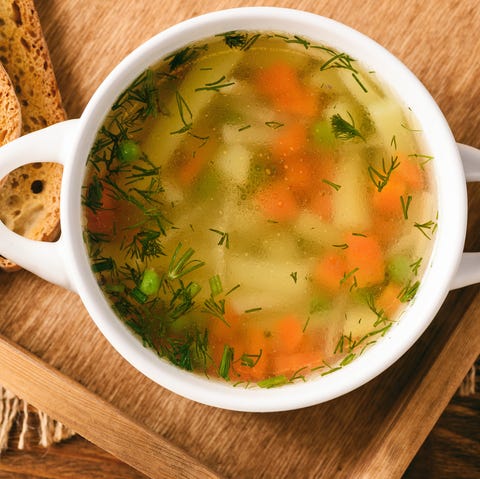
x: 252, y: 310
x: 427, y: 229
x: 217, y: 85
x: 224, y: 237
x: 343, y: 129
x: 250, y: 360
x: 408, y: 292
x: 246, y: 127
x: 380, y: 178
x: 239, y: 40
x: 274, y: 124
x: 294, y: 276
x: 416, y: 266
x: 341, y: 246
x: 335, y: 186
x: 405, y: 205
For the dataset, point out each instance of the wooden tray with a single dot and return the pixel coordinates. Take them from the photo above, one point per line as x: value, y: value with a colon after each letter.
x: 52, y: 355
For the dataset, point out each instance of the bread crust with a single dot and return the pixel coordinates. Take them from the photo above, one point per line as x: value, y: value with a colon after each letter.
x: 30, y: 196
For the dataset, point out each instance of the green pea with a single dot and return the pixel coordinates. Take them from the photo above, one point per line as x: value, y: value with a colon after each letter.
x: 398, y: 268
x: 322, y: 133
x: 129, y: 151
x: 150, y: 283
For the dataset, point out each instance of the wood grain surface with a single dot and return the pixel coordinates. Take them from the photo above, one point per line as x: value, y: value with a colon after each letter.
x: 373, y: 432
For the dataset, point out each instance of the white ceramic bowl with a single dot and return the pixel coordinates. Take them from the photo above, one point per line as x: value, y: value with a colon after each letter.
x: 65, y: 262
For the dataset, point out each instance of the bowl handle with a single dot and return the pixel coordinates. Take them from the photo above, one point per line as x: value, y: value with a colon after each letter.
x: 44, y: 259
x: 469, y: 269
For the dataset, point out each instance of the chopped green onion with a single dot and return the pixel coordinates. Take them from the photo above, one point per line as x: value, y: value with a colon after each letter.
x: 274, y: 382
x: 215, y: 285
x: 150, y: 283
x: 225, y: 362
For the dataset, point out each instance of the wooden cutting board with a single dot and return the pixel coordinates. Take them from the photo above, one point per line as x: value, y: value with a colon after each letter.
x: 53, y: 356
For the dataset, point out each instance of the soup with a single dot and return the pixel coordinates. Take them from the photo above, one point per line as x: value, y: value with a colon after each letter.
x: 259, y: 208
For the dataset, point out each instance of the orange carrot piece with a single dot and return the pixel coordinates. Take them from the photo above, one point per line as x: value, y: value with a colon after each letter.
x: 102, y: 220
x: 411, y: 172
x: 388, y: 299
x: 298, y: 173
x: 280, y: 83
x: 256, y: 342
x: 365, y: 254
x: 291, y: 139
x: 329, y: 271
x: 277, y: 202
x: 387, y: 202
x: 288, y: 333
x: 322, y: 202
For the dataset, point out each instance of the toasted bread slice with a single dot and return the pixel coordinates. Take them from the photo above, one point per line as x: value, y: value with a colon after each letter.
x: 30, y: 196
x: 10, y: 113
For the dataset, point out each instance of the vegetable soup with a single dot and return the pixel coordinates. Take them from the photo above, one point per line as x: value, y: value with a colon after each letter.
x: 259, y: 208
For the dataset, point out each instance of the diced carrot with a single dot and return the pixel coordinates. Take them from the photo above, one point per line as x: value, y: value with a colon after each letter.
x: 322, y: 202
x: 387, y: 201
x: 102, y: 219
x: 411, y: 172
x: 365, y: 253
x: 289, y: 364
x: 388, y: 299
x: 290, y: 139
x: 256, y: 343
x: 280, y: 83
x: 298, y: 173
x: 277, y: 202
x: 288, y: 333
x: 329, y: 271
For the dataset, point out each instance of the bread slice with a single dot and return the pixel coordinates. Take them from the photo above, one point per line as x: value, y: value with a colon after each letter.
x: 10, y: 113
x: 30, y: 196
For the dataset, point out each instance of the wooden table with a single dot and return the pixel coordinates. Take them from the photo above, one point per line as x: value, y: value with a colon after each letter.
x: 55, y: 358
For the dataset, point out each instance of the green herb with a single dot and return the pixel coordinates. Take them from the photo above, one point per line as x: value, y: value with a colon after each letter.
x: 145, y: 244
x: 427, y: 158
x: 246, y: 127
x: 182, y: 57
x: 359, y: 234
x: 306, y: 324
x: 250, y: 360
x: 405, y: 205
x: 224, y: 237
x: 296, y: 39
x: 344, y: 130
x: 215, y: 308
x: 239, y: 40
x: 252, y: 310
x: 215, y: 285
x: 380, y: 313
x: 103, y: 264
x: 346, y: 276
x: 330, y: 183
x: 296, y: 375
x: 341, y: 246
x: 274, y: 124
x: 138, y: 295
x: 185, y: 114
x: 416, y: 265
x: 183, y: 265
x: 294, y: 276
x: 141, y: 93
x: 225, y: 362
x: 273, y: 382
x: 427, y: 229
x: 408, y: 292
x: 381, y: 178
x: 216, y: 85
x: 232, y: 290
